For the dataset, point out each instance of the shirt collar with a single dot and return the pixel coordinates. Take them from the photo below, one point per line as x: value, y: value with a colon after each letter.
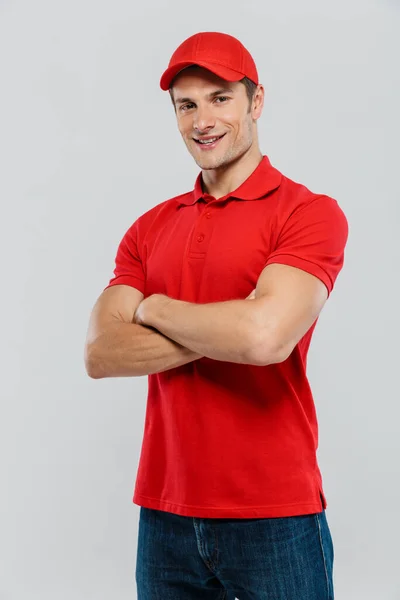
x: 263, y: 179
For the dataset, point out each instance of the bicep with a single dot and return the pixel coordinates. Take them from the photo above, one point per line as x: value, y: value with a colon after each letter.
x: 288, y: 300
x: 117, y: 303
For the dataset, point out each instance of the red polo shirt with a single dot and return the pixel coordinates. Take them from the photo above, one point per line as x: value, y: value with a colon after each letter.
x: 223, y: 439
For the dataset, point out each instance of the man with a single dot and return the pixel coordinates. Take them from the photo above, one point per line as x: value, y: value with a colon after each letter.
x: 215, y: 296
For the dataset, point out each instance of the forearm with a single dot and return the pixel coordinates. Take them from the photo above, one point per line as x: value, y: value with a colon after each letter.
x: 219, y: 330
x: 132, y: 350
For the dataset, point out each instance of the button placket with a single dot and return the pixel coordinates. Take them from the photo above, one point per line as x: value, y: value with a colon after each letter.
x: 201, y: 236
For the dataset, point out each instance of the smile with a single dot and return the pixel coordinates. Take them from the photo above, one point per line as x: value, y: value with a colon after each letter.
x: 209, y: 143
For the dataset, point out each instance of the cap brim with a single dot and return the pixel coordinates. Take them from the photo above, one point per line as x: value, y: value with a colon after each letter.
x: 220, y: 71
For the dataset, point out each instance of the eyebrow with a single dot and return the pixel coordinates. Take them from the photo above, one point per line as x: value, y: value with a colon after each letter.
x: 210, y: 96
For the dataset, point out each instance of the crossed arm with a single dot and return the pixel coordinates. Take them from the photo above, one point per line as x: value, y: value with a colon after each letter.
x: 258, y: 331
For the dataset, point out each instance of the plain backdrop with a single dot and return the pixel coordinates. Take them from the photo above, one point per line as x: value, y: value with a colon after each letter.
x: 88, y: 143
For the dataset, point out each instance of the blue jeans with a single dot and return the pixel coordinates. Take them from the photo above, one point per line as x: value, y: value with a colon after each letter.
x: 190, y: 558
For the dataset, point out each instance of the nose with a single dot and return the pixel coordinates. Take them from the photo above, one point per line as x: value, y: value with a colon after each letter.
x: 203, y: 120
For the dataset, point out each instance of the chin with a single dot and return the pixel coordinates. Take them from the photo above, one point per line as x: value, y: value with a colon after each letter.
x: 208, y: 163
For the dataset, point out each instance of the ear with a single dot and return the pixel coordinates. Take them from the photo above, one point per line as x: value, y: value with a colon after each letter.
x: 258, y: 102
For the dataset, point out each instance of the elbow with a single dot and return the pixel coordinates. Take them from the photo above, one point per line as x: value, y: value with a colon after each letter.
x: 268, y: 351
x: 93, y: 374
x: 91, y: 364
x: 279, y: 355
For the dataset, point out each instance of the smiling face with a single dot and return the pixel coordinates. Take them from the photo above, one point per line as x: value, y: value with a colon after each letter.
x: 215, y: 118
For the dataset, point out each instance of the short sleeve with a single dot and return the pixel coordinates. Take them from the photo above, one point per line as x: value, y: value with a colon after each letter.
x: 313, y: 239
x: 128, y: 264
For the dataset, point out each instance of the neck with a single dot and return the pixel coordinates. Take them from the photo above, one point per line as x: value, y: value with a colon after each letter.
x: 224, y: 180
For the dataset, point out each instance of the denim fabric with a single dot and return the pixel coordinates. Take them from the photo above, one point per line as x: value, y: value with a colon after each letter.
x: 190, y: 558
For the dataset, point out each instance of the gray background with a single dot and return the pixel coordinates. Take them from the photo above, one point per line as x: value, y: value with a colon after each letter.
x: 88, y: 143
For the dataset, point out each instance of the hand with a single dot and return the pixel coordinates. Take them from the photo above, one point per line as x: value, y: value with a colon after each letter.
x: 148, y: 307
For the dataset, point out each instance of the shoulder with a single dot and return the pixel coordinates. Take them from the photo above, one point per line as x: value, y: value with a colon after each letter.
x: 296, y: 199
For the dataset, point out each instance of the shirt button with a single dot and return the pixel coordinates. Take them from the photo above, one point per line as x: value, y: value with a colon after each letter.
x: 208, y: 215
x: 200, y: 238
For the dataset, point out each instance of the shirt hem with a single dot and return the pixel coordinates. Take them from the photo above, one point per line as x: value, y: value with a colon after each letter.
x: 238, y: 512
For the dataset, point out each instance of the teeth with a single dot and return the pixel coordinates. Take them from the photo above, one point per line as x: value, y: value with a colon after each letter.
x: 208, y: 141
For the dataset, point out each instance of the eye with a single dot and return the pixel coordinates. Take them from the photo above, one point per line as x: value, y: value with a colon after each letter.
x: 222, y: 98
x: 185, y: 107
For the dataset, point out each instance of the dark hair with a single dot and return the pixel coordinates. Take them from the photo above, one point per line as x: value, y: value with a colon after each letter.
x: 250, y: 88
x: 248, y: 84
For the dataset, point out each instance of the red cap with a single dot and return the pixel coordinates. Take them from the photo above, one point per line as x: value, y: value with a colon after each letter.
x: 220, y: 53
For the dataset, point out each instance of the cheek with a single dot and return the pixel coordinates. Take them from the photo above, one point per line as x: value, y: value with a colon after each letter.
x: 241, y: 130
x: 246, y: 128
x: 235, y: 121
x: 185, y: 127
x: 229, y: 118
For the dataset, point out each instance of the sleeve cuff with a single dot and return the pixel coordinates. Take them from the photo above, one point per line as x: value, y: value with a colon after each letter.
x: 127, y: 280
x: 304, y: 265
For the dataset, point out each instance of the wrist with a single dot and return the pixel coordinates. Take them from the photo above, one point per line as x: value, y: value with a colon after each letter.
x: 156, y: 310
